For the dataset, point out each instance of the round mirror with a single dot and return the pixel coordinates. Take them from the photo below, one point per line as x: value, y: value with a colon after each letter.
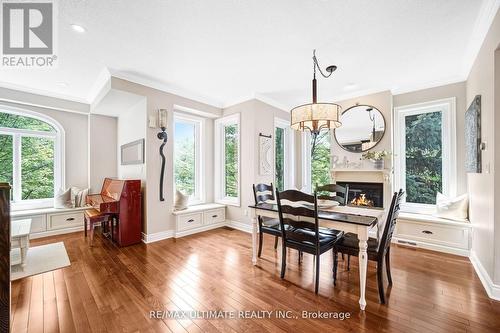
x: 363, y: 126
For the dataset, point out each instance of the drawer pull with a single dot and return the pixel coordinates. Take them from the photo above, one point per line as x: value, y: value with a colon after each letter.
x: 214, y: 216
x: 70, y: 219
x: 190, y: 221
x: 427, y: 232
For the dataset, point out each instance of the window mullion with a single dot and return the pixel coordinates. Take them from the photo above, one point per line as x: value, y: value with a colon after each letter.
x: 16, y: 167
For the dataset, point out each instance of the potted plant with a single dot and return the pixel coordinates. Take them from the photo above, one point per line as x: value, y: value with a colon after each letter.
x: 377, y: 157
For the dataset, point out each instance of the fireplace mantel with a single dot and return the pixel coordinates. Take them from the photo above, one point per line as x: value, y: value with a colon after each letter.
x: 384, y: 173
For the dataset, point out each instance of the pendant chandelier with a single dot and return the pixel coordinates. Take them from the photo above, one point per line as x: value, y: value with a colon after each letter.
x: 314, y: 117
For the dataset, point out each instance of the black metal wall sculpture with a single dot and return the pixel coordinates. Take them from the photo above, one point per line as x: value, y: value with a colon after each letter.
x: 162, y: 136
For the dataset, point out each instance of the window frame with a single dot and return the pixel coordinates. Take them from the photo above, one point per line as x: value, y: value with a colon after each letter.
x: 219, y: 154
x: 447, y: 107
x: 288, y: 167
x: 199, y: 196
x: 59, y: 163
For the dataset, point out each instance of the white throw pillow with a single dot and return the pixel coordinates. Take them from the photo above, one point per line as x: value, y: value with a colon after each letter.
x: 79, y: 196
x: 181, y: 201
x: 452, y: 208
x: 63, y: 199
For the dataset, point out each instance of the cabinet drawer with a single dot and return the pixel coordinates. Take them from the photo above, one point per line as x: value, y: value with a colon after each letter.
x: 214, y: 216
x: 38, y: 222
x: 62, y: 221
x: 452, y: 236
x: 189, y: 221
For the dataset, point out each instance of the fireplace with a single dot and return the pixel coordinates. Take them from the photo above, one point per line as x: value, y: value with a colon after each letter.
x: 364, y: 194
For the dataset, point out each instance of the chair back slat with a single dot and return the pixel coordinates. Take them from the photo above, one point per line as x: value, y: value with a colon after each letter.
x: 292, y: 205
x: 341, y: 193
x: 263, y: 192
x: 390, y: 223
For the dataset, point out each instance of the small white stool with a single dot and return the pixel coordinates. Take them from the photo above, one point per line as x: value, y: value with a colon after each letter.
x: 20, y: 239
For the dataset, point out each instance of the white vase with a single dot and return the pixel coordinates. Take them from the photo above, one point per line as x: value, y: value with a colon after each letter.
x: 378, y: 164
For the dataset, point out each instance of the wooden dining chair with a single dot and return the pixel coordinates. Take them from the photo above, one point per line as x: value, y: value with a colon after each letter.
x: 267, y: 225
x: 299, y: 211
x: 341, y: 193
x: 378, y: 249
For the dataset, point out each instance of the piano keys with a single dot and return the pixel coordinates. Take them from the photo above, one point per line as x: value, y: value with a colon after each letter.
x: 122, y: 200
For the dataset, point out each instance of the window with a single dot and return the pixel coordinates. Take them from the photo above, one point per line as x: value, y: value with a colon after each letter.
x: 316, y: 163
x: 30, y: 158
x: 187, y: 157
x: 227, y: 160
x: 283, y: 149
x: 425, y: 153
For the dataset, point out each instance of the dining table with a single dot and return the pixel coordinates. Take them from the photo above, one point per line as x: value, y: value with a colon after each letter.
x: 359, y: 220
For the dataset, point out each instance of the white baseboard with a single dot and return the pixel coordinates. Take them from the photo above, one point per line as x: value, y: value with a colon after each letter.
x: 55, y: 232
x: 157, y: 236
x: 245, y: 227
x: 492, y: 289
x: 200, y: 229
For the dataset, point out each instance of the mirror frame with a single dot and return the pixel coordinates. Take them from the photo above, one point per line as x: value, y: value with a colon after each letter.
x: 354, y: 106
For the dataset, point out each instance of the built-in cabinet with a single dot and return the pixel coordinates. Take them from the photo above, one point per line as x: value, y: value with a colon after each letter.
x: 199, y: 218
x: 52, y: 221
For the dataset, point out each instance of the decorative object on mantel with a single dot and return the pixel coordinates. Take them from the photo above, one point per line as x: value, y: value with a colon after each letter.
x: 473, y: 145
x: 314, y: 117
x: 363, y: 126
x: 377, y: 157
x: 162, y: 121
x: 265, y: 155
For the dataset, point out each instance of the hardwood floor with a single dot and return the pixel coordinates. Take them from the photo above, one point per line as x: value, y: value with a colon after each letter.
x: 110, y: 289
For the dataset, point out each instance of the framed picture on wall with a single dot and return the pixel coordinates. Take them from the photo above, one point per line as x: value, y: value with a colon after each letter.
x: 473, y: 136
x: 132, y: 153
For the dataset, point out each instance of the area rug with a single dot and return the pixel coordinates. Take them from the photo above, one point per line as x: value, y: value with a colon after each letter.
x: 41, y: 259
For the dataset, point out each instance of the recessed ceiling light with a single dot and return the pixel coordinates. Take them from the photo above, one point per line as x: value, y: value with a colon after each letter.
x: 78, y: 28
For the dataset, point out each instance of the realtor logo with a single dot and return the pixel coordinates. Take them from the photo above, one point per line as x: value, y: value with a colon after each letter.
x: 28, y: 34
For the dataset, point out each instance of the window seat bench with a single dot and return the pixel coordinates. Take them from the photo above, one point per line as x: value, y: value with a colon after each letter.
x: 199, y: 218
x: 433, y: 233
x: 51, y: 221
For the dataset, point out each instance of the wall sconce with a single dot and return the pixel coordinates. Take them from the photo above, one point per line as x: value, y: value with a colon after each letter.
x: 162, y: 121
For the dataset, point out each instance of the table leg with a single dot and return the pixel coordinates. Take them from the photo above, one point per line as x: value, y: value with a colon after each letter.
x: 363, y: 264
x: 254, y: 236
x: 24, y: 251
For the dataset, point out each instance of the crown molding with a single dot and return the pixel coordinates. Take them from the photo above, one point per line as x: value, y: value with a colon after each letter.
x: 487, y: 13
x: 165, y: 87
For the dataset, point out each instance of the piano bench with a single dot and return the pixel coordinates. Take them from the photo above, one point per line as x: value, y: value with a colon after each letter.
x: 92, y: 217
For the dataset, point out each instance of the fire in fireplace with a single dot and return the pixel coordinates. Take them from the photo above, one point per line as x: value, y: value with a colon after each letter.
x: 365, y: 194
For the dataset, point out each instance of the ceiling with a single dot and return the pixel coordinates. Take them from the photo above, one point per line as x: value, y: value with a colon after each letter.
x: 227, y: 51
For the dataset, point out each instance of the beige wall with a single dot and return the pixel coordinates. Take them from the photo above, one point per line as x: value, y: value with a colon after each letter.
x: 484, y: 188
x: 456, y: 90
x: 159, y: 214
x: 255, y: 117
x: 102, y: 162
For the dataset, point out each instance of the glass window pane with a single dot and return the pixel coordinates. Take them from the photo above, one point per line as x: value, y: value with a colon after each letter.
x: 37, y: 168
x: 280, y: 158
x: 185, y: 157
x: 423, y: 157
x: 231, y: 160
x: 6, y: 170
x: 16, y: 121
x: 320, y: 160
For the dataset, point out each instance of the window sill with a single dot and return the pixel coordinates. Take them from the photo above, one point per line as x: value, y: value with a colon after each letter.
x: 27, y: 212
x: 229, y: 202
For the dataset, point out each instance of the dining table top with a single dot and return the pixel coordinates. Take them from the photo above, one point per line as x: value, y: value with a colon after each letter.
x: 368, y: 217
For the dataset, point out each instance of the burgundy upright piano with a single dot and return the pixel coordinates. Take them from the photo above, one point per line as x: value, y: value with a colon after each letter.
x: 121, y: 199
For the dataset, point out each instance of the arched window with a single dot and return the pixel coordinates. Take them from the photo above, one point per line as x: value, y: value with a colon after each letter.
x: 31, y: 149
